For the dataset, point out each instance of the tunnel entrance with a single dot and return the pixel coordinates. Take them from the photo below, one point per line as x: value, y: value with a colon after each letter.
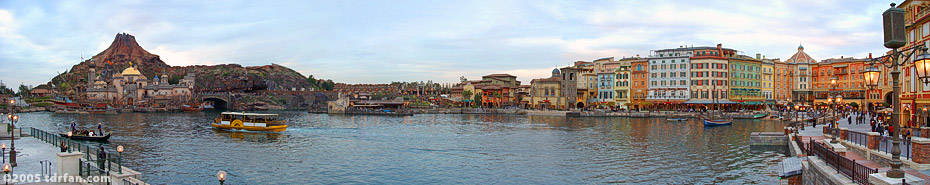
x: 218, y: 104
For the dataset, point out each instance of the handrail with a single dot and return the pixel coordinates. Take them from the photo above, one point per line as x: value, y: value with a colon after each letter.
x: 856, y: 171
x: 90, y: 153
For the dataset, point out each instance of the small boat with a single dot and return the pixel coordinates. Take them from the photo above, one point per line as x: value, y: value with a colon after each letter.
x: 249, y: 121
x: 717, y: 122
x: 188, y: 108
x: 676, y: 119
x: 757, y: 116
x: 86, y: 137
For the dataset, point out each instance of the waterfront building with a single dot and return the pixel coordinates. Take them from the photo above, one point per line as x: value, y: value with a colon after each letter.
x: 745, y: 80
x: 849, y: 82
x: 784, y: 80
x: 130, y: 86
x: 623, y: 81
x: 669, y: 76
x: 587, y: 79
x: 366, y: 88
x: 640, y: 88
x: 709, y: 75
x: 768, y: 79
x: 606, y: 74
x: 569, y: 87
x: 545, y: 92
x: 801, y: 88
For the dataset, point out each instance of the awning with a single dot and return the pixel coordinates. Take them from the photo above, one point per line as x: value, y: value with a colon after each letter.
x: 709, y: 102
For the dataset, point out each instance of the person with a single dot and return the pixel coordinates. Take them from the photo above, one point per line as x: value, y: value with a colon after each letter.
x: 100, y: 128
x: 64, y: 148
x: 73, y: 126
x: 849, y: 119
x: 907, y: 132
x: 872, y: 123
x: 101, y: 159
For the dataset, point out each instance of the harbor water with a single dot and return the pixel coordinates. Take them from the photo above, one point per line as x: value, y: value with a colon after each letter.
x: 182, y: 148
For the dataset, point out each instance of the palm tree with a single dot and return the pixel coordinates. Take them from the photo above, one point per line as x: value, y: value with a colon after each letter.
x: 498, y: 96
x: 466, y: 94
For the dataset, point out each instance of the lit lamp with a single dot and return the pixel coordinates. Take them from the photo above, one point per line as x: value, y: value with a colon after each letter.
x: 3, y: 146
x: 69, y: 141
x: 221, y: 176
x: 119, y: 159
x: 7, y: 168
x: 922, y: 65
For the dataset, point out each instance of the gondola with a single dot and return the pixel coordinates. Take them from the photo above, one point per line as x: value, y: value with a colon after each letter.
x: 87, y: 138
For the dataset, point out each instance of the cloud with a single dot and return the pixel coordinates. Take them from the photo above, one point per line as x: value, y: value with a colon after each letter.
x: 380, y: 42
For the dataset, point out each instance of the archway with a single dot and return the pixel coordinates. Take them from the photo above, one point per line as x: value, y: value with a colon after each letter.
x: 580, y: 105
x: 218, y: 104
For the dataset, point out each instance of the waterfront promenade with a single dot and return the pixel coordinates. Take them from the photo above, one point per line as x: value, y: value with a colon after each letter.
x: 816, y: 134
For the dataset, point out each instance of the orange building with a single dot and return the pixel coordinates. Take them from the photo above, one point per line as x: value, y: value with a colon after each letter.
x: 784, y: 80
x: 639, y: 89
x: 849, y: 83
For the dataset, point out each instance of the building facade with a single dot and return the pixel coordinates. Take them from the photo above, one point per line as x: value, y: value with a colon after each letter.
x: 709, y: 75
x: 669, y: 78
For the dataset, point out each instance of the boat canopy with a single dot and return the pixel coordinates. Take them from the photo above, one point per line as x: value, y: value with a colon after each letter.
x: 248, y: 114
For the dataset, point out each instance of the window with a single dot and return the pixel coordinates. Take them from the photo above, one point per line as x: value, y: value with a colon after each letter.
x: 684, y: 66
x: 683, y: 74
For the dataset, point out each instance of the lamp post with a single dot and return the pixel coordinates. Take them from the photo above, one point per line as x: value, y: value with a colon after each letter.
x: 7, y: 168
x: 3, y: 146
x: 835, y: 136
x: 69, y: 141
x: 894, y: 35
x: 13, y: 119
x: 119, y: 159
x: 221, y: 175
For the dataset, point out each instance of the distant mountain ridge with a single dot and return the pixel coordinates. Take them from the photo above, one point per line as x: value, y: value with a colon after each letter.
x: 125, y: 51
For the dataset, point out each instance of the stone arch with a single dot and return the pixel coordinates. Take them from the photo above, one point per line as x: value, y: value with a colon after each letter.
x: 218, y: 103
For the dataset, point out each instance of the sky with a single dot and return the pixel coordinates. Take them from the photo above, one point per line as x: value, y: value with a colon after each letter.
x: 383, y: 41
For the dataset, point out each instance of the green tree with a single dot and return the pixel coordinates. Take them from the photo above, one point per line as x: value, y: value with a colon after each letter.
x: 477, y: 99
x: 498, y: 97
x: 23, y: 90
x: 466, y: 94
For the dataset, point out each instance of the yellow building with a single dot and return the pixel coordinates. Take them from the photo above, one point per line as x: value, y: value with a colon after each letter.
x: 768, y: 79
x: 545, y: 93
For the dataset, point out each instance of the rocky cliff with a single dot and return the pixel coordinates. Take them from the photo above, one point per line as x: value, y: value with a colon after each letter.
x: 125, y: 51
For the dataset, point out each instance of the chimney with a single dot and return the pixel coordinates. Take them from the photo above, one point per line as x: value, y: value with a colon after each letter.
x: 758, y: 56
x: 870, y: 55
x: 719, y: 46
x: 841, y: 56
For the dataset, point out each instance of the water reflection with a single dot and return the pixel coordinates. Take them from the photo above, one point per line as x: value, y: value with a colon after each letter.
x: 181, y: 148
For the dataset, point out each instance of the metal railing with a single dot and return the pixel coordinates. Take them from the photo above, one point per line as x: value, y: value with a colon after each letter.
x: 857, y: 172
x: 797, y: 140
x: 858, y: 138
x: 885, y: 145
x: 90, y: 153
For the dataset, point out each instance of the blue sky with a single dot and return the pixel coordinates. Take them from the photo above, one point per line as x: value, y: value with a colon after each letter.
x: 384, y: 41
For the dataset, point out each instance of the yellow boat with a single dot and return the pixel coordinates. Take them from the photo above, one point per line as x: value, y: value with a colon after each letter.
x: 250, y: 122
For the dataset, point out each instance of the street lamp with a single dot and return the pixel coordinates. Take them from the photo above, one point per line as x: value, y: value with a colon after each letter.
x: 6, y: 170
x: 13, y: 119
x: 69, y: 141
x: 221, y: 176
x: 894, y: 37
x: 3, y: 146
x: 871, y: 75
x: 835, y: 134
x: 119, y: 159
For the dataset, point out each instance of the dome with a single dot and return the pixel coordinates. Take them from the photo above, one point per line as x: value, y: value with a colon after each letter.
x: 555, y: 72
x: 131, y: 71
x: 800, y: 46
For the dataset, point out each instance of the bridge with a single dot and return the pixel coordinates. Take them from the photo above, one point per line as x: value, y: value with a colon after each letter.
x: 220, y: 100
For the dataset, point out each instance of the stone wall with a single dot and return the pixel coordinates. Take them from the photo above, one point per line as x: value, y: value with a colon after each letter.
x: 818, y: 172
x: 767, y: 138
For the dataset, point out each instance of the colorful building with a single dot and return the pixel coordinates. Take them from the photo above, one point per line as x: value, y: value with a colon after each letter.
x: 623, y: 82
x: 545, y: 93
x: 605, y: 69
x: 709, y: 75
x: 668, y: 76
x: 640, y: 88
x: 745, y: 80
x: 801, y: 90
x: 768, y: 79
x: 784, y: 80
x: 849, y: 83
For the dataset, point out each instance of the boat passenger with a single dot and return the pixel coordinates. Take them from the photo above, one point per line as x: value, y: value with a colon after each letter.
x: 99, y: 127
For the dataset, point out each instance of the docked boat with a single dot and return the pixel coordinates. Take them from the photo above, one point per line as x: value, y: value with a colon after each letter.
x: 87, y: 137
x: 188, y: 108
x: 676, y: 119
x: 757, y: 116
x: 250, y: 122
x: 717, y: 122
x: 716, y: 118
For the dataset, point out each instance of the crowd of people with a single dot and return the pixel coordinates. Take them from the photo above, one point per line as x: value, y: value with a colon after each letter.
x: 879, y: 122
